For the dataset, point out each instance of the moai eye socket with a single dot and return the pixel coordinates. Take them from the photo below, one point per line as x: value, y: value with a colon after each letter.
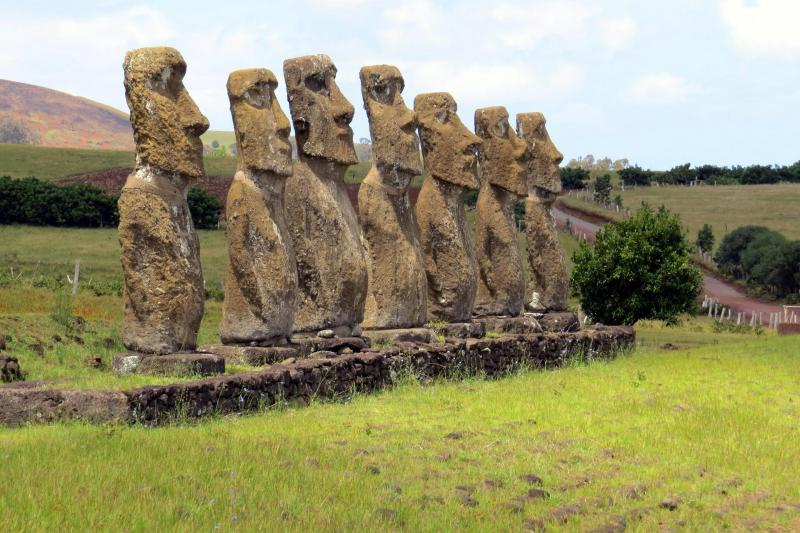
x: 316, y: 83
x: 500, y: 129
x: 441, y: 116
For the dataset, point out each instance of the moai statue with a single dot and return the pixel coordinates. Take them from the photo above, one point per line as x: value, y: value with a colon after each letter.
x: 261, y: 281
x: 501, y: 284
x: 397, y: 295
x: 547, y: 285
x: 331, y: 263
x: 449, y: 151
x: 164, y: 291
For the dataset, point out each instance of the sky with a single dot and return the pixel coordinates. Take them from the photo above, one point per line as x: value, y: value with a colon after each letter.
x: 659, y: 82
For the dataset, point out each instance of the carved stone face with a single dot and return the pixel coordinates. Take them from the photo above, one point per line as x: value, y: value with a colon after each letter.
x: 544, y: 177
x: 449, y: 149
x: 320, y: 112
x: 262, y: 130
x: 166, y: 122
x: 503, y: 154
x: 392, y: 125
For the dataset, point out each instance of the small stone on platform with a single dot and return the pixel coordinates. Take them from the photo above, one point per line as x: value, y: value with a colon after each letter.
x: 557, y: 322
x: 517, y: 325
x: 463, y: 330
x: 251, y: 355
x: 178, y: 364
x: 392, y: 336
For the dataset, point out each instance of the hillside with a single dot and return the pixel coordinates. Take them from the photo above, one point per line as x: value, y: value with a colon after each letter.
x: 56, y: 119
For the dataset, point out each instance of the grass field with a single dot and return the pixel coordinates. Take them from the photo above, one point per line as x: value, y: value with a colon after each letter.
x: 724, y: 207
x: 711, y: 431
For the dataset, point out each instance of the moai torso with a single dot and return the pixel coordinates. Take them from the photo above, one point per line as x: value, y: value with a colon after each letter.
x: 449, y: 152
x: 261, y: 281
x: 501, y: 283
x: 548, y: 278
x: 163, y: 295
x: 397, y: 286
x: 331, y: 265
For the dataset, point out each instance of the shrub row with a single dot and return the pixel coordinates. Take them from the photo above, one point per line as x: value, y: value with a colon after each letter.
x: 762, y: 257
x: 41, y: 203
x: 712, y: 174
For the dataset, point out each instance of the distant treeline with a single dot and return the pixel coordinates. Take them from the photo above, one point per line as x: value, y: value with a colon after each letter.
x: 41, y: 203
x: 576, y: 178
x: 762, y: 257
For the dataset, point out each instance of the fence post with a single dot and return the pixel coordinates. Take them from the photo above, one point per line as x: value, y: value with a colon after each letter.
x: 75, y: 278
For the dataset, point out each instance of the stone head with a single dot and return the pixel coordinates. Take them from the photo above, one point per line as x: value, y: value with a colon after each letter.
x: 449, y: 149
x: 544, y: 177
x: 262, y: 129
x: 392, y: 125
x: 166, y: 122
x: 503, y: 154
x: 320, y: 112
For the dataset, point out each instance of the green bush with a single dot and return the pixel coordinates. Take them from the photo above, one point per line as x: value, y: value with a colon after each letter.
x: 574, y: 178
x: 637, y: 269
x: 205, y: 208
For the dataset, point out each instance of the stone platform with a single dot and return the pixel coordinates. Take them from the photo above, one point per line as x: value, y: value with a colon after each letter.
x: 178, y: 364
x: 392, y: 336
x: 299, y: 347
x: 304, y: 380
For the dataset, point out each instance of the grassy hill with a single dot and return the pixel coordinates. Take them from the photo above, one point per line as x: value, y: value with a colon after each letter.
x: 62, y: 120
x: 724, y: 207
x: 22, y: 161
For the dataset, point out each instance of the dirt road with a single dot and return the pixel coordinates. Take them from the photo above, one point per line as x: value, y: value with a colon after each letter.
x: 727, y: 294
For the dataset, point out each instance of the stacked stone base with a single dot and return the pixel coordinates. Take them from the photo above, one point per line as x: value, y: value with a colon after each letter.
x: 302, y: 381
x: 179, y: 364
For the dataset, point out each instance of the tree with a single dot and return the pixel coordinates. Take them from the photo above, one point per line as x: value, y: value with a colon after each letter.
x: 573, y: 178
x: 728, y: 257
x: 602, y: 189
x: 618, y: 201
x: 705, y: 239
x: 205, y: 208
x: 635, y: 175
x: 620, y: 164
x: 637, y: 269
x: 215, y: 144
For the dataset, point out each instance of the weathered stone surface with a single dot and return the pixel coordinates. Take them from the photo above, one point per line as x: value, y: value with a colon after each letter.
x: 548, y: 279
x: 251, y: 355
x: 449, y: 153
x: 10, y: 369
x: 558, y: 322
x: 261, y: 281
x: 397, y: 285
x: 786, y: 328
x: 178, y: 364
x: 501, y: 283
x: 331, y: 263
x: 391, y: 336
x: 23, y: 406
x: 308, y: 345
x: 462, y: 330
x: 163, y: 295
x: 516, y: 325
x: 300, y: 382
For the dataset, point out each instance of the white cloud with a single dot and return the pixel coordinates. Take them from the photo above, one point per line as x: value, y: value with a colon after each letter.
x: 493, y: 83
x: 661, y: 88
x: 764, y: 26
x: 528, y: 25
x: 619, y: 32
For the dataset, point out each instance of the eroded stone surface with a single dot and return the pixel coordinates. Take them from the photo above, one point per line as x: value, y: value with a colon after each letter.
x: 515, y: 325
x: 449, y: 153
x: 501, y: 283
x: 251, y: 355
x: 548, y: 279
x: 397, y: 286
x: 163, y: 296
x: 261, y: 281
x: 331, y: 263
x: 392, y: 336
x: 179, y: 364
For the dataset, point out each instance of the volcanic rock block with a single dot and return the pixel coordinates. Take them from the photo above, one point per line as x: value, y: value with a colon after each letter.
x: 501, y: 284
x: 261, y: 281
x: 397, y: 286
x: 548, y: 279
x: 559, y: 322
x: 10, y: 369
x: 449, y: 153
x: 331, y: 263
x: 251, y: 355
x: 177, y: 364
x: 516, y: 325
x: 163, y: 296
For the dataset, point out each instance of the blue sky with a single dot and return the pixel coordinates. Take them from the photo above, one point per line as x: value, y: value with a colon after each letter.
x: 660, y: 82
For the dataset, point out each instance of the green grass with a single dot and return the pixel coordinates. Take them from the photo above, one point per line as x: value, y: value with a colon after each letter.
x: 724, y: 207
x: 22, y: 161
x: 224, y: 138
x: 713, y: 427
